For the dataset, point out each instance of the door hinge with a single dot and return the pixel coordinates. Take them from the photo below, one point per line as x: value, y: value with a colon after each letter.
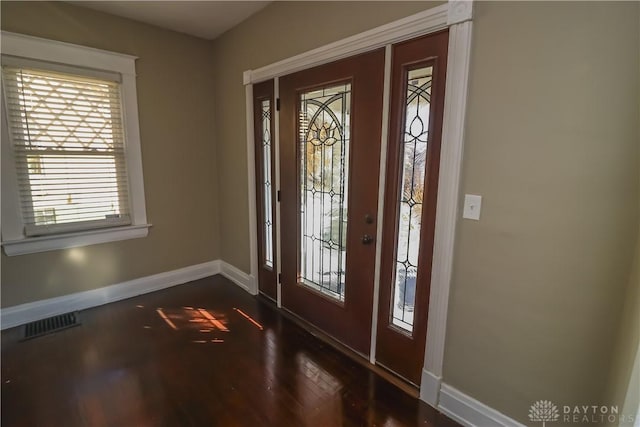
x: 277, y: 104
x: 279, y: 277
x: 278, y: 195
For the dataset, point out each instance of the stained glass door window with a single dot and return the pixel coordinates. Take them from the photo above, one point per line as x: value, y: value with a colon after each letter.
x: 267, y: 190
x: 414, y: 161
x: 323, y: 139
x: 264, y: 146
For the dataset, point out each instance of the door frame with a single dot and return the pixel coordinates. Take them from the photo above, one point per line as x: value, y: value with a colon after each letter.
x: 456, y: 15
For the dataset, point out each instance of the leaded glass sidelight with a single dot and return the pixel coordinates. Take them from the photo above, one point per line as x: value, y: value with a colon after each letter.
x: 324, y: 160
x: 410, y: 199
x: 266, y: 190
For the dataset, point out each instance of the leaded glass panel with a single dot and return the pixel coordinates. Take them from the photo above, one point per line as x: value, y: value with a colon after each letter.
x: 266, y: 190
x: 324, y: 162
x: 414, y: 161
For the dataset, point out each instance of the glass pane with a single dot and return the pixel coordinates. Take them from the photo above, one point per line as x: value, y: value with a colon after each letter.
x: 414, y: 161
x: 266, y: 188
x: 324, y: 162
x: 69, y: 147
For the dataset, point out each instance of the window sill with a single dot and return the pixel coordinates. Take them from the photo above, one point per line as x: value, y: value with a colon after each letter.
x: 32, y: 245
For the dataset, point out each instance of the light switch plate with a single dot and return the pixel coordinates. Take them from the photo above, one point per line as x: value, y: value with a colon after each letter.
x: 472, y: 205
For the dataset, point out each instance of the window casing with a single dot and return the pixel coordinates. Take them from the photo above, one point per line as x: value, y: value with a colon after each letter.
x: 71, y: 164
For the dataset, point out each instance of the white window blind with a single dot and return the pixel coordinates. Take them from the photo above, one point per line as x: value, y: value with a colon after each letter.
x: 68, y: 143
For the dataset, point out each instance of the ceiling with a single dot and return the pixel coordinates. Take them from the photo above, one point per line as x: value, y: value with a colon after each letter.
x: 204, y: 19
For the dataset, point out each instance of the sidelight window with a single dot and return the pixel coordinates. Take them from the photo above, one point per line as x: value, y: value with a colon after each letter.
x: 412, y: 183
x: 267, y: 189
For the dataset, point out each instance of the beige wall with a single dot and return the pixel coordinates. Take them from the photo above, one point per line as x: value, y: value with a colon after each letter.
x: 175, y: 98
x: 552, y: 145
x: 281, y: 30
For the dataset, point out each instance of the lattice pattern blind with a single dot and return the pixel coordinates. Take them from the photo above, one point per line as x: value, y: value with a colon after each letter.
x: 68, y: 142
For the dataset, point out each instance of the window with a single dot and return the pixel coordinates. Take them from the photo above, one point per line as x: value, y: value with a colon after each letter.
x: 324, y: 126
x: 265, y: 106
x: 410, y: 200
x: 68, y: 147
x: 71, y: 172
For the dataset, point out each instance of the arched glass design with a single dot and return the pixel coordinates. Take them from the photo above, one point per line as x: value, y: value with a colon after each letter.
x: 324, y: 162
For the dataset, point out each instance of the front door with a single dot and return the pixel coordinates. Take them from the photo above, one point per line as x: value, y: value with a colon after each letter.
x: 330, y: 133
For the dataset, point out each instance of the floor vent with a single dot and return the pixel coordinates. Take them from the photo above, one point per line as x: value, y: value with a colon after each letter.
x: 50, y: 325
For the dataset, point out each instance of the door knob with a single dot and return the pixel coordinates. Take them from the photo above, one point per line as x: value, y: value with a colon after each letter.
x: 367, y: 239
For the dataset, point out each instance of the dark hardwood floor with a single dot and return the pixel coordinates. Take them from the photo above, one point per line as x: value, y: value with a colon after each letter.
x: 201, y: 354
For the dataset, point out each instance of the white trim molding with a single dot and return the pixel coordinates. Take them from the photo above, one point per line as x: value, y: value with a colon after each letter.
x: 32, y: 311
x: 426, y: 22
x: 72, y: 240
x: 19, y: 47
x: 66, y: 53
x: 239, y: 277
x: 384, y: 142
x: 251, y: 173
x: 455, y: 105
x: 459, y: 11
x: 470, y: 412
x: 430, y: 388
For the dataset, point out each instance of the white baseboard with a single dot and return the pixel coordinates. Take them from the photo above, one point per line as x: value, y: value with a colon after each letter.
x: 239, y: 277
x: 29, y: 312
x: 470, y: 412
x: 430, y: 388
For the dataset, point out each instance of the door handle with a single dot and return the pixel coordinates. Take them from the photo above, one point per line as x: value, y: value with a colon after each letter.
x: 367, y: 239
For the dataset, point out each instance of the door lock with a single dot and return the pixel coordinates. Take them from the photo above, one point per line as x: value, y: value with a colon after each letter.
x: 367, y: 239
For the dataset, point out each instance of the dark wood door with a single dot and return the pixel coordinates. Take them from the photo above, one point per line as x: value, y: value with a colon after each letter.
x: 263, y: 114
x: 415, y: 129
x: 330, y: 127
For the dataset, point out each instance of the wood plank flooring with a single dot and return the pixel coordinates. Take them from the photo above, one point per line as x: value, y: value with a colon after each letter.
x: 201, y: 354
